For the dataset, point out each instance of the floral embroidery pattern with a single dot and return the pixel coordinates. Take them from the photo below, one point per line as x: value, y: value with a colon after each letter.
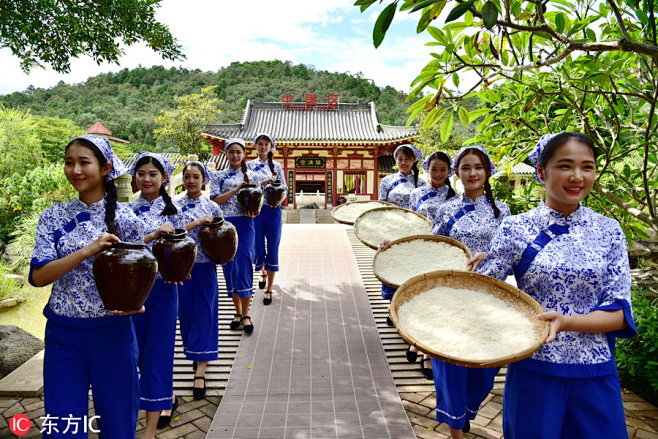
x: 396, y: 188
x: 193, y: 209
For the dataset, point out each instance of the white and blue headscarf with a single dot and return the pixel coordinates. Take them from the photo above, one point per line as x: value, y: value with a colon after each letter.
x: 481, y: 148
x: 103, y: 145
x: 234, y: 140
x: 268, y: 137
x: 417, y: 153
x: 166, y: 164
x: 535, y: 155
x: 426, y: 164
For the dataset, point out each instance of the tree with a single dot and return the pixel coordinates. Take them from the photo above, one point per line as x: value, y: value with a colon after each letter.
x: 182, y: 126
x: 543, y: 66
x: 53, y: 32
x: 20, y: 146
x: 55, y: 133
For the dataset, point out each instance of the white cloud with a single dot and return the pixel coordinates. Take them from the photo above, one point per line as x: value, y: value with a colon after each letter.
x: 213, y: 34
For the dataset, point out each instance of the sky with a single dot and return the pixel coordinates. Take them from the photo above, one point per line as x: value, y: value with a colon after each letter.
x: 330, y: 35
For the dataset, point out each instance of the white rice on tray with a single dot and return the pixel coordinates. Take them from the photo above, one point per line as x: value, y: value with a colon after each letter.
x: 391, y: 224
x: 466, y: 324
x: 351, y: 211
x: 402, y: 261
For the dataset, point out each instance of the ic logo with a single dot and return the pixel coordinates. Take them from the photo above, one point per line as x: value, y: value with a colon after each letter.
x: 19, y: 424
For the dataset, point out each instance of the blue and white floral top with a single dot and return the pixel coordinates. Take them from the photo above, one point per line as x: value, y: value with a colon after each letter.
x: 426, y: 200
x: 225, y: 180
x: 65, y: 228
x: 191, y: 210
x: 262, y: 169
x: 396, y: 188
x: 471, y: 222
x: 149, y: 213
x: 573, y: 265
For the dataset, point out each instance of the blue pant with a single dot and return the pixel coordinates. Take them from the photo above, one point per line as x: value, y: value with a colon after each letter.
x: 100, y: 352
x: 238, y: 273
x: 198, y: 313
x: 268, y: 226
x: 460, y: 391
x: 388, y: 292
x: 156, y: 332
x: 537, y: 406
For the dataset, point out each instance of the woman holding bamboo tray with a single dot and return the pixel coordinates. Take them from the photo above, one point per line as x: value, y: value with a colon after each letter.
x: 198, y: 296
x: 396, y: 188
x: 472, y: 219
x: 574, y: 262
x: 426, y: 200
x: 238, y: 273
x: 269, y: 222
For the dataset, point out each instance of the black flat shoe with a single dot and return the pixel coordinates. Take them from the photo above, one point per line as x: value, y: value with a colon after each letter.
x: 248, y: 328
x: 267, y: 300
x: 199, y: 392
x: 163, y: 421
x: 194, y: 365
x: 427, y: 371
x: 411, y: 355
x: 235, y: 324
x: 389, y: 321
x: 467, y: 426
x: 262, y: 282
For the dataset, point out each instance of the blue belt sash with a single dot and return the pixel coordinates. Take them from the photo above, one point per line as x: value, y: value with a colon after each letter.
x: 463, y: 211
x: 402, y: 180
x: 425, y: 197
x: 536, y: 246
x: 71, y: 225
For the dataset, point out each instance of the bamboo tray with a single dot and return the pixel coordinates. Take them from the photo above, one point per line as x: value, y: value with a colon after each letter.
x: 434, y: 238
x: 468, y: 280
x: 397, y: 225
x: 344, y: 208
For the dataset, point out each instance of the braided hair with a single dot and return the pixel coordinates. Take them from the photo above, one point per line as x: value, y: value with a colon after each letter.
x: 440, y: 155
x: 170, y: 207
x: 110, y: 188
x: 414, y: 168
x: 243, y: 166
x: 487, y: 186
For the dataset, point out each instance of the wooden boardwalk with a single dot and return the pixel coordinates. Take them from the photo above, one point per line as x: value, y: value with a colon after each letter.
x: 314, y: 366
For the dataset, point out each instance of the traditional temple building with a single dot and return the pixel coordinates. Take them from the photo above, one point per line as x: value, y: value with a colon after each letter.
x: 332, y: 149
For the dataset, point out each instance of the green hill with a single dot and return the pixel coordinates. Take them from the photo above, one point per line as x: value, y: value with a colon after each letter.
x: 127, y: 101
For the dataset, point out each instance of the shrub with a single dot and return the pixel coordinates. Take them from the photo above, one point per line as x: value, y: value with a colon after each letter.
x: 8, y: 286
x: 637, y: 358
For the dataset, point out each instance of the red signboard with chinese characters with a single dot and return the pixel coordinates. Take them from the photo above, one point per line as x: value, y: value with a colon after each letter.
x: 311, y: 102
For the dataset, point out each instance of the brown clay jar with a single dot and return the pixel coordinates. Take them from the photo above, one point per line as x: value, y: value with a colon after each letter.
x: 275, y: 193
x: 124, y: 275
x: 219, y: 240
x: 250, y: 198
x: 176, y: 253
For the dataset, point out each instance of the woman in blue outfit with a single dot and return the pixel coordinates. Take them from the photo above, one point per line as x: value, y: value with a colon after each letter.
x: 239, y: 272
x: 198, y: 296
x: 472, y: 219
x: 156, y: 328
x: 269, y: 222
x: 86, y: 344
x: 574, y: 262
x: 426, y: 200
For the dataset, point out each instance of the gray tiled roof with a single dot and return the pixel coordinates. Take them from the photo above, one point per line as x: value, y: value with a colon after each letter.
x: 214, y: 162
x: 348, y: 122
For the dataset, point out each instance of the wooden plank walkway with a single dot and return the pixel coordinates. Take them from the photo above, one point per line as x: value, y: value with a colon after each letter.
x: 314, y: 366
